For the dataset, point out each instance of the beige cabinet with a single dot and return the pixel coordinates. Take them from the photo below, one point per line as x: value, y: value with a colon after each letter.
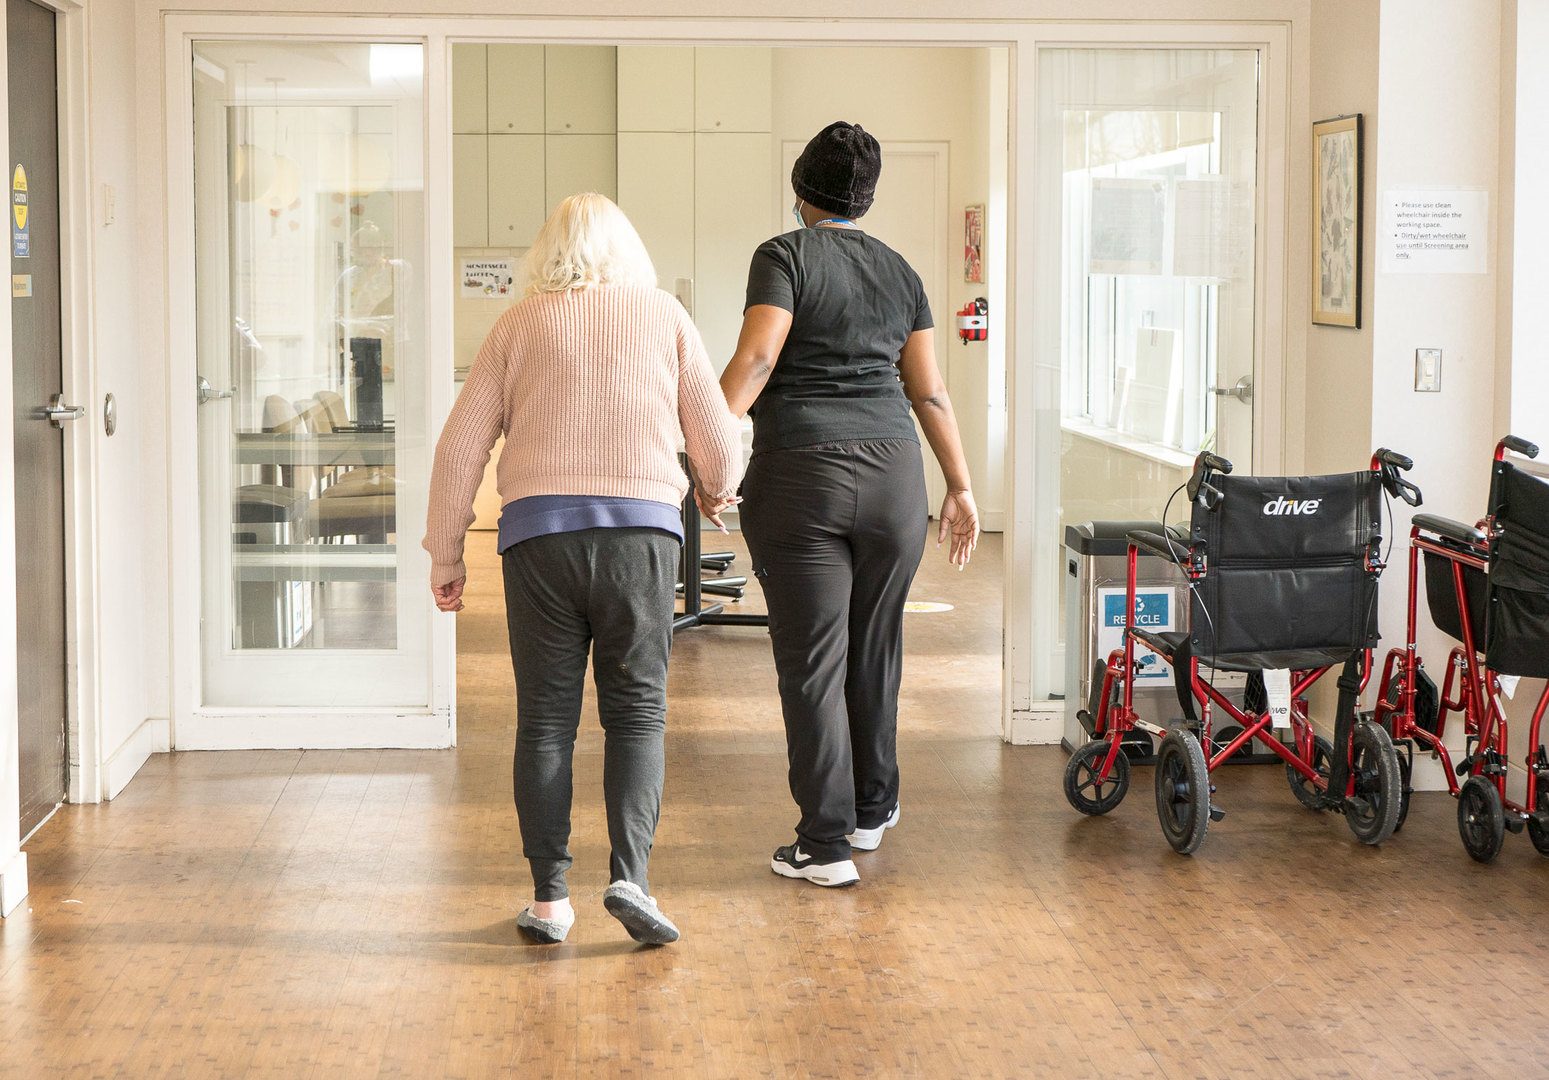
x: 655, y: 88
x: 576, y: 163
x: 580, y: 89
x: 516, y: 89
x: 656, y: 190
x: 517, y: 189
x: 470, y: 86
x: 734, y: 196
x: 732, y: 89
x: 470, y: 190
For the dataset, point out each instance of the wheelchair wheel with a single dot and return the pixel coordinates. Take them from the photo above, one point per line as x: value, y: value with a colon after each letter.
x: 1481, y: 819
x: 1406, y: 776
x: 1306, y: 794
x: 1223, y: 738
x: 1182, y: 791
x: 1084, y: 791
x: 1378, y: 784
x: 1536, y: 832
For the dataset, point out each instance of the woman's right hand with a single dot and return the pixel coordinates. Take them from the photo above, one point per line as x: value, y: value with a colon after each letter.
x: 960, y: 520
x: 449, y: 597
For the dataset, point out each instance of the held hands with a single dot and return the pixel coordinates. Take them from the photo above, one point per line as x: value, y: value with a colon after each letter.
x: 449, y: 597
x: 712, y: 508
x: 960, y: 519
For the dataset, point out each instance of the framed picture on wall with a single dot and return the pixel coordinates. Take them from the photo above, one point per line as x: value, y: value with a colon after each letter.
x: 1336, y: 240
x: 973, y: 244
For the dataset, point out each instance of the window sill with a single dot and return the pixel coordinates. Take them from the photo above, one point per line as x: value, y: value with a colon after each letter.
x: 1155, y: 452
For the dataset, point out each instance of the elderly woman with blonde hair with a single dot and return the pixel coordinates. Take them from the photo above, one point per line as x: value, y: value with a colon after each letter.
x: 595, y: 378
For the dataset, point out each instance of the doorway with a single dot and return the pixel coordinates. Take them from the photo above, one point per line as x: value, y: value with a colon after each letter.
x: 41, y: 414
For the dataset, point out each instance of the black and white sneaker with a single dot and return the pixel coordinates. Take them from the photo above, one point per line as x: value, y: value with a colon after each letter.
x: 789, y: 861
x: 871, y: 839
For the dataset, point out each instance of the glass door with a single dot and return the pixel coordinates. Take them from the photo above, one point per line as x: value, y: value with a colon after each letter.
x: 309, y: 199
x: 1147, y: 176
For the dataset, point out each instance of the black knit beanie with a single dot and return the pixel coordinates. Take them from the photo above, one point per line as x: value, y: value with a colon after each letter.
x: 838, y: 170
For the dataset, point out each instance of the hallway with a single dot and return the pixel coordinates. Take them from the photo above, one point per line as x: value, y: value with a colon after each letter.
x: 343, y: 914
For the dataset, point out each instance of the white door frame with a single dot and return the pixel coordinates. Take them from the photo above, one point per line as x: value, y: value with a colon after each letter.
x: 1028, y: 713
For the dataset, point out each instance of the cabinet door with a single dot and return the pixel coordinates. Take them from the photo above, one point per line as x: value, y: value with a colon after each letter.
x: 732, y: 89
x: 469, y: 86
x: 656, y: 190
x: 576, y: 163
x: 580, y: 89
x: 517, y: 184
x: 470, y: 190
x: 516, y: 89
x: 656, y: 88
x: 734, y: 197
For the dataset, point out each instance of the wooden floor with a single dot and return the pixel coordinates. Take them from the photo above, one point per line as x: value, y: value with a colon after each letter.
x: 350, y: 914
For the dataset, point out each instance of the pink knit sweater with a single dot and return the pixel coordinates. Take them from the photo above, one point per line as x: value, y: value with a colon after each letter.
x: 596, y: 390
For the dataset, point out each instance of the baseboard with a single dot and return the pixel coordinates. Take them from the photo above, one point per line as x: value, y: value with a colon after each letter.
x: 1042, y: 724
x: 992, y: 521
x: 122, y: 765
x: 259, y: 729
x: 13, y: 883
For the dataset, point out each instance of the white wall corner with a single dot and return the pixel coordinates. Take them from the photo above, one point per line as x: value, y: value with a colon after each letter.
x: 122, y: 765
x: 1041, y: 723
x: 13, y: 883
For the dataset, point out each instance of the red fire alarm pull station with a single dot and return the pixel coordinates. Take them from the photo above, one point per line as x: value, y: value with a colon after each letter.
x: 973, y: 321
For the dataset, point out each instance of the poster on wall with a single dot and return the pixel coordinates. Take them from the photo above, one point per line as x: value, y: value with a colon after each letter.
x: 1435, y: 232
x: 1336, y: 253
x: 1128, y: 225
x: 973, y: 245
x: 1210, y: 239
x: 488, y: 279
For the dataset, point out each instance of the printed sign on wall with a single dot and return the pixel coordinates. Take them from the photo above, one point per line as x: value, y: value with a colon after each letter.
x: 1154, y: 612
x: 490, y: 279
x: 1435, y: 232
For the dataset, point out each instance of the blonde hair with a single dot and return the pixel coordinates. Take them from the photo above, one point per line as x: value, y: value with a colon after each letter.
x: 587, y: 241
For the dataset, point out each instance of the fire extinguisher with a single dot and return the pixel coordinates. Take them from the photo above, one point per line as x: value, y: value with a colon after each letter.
x: 973, y: 321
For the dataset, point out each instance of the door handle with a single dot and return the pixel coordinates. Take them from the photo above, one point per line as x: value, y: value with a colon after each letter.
x: 56, y: 412
x: 208, y: 393
x: 1242, y: 389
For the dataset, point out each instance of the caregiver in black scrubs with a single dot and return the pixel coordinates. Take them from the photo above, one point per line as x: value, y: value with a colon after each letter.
x: 836, y: 346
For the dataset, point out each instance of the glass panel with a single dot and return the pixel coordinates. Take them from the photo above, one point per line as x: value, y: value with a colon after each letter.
x: 309, y: 202
x: 1147, y: 170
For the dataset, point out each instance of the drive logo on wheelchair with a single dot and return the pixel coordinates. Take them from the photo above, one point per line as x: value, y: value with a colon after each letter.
x: 1288, y: 507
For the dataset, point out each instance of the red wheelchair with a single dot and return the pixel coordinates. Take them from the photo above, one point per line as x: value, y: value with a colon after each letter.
x: 1282, y: 577
x: 1487, y: 587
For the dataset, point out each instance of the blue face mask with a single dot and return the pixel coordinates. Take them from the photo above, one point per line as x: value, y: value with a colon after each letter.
x: 801, y: 222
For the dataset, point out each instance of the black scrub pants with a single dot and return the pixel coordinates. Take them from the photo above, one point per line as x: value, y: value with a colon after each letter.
x: 836, y: 533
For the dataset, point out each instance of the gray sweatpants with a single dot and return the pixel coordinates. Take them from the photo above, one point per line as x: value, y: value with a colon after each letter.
x: 609, y: 591
x: 836, y: 533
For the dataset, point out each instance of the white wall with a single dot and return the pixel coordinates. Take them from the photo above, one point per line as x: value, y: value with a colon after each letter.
x: 1439, y: 97
x: 129, y: 507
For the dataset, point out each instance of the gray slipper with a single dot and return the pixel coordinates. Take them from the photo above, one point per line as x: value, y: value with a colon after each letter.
x: 629, y: 904
x: 543, y: 931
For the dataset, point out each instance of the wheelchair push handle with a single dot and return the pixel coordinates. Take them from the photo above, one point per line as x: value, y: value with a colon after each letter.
x: 1389, y: 463
x: 1391, y: 458
x: 1200, y: 489
x: 1517, y: 445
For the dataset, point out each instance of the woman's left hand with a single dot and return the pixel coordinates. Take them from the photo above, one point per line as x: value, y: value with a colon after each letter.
x: 712, y: 509
x: 960, y: 520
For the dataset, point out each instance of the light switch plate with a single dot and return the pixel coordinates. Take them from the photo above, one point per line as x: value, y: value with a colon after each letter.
x: 1427, y: 371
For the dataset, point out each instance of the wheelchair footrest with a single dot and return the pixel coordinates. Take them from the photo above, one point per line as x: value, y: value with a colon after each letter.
x: 1515, y: 823
x: 1087, y: 721
x: 1216, y: 813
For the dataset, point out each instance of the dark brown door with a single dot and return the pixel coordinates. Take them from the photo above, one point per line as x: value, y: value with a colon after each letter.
x: 37, y: 380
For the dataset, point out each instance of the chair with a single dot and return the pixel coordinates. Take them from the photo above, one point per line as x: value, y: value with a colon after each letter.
x: 1282, y: 578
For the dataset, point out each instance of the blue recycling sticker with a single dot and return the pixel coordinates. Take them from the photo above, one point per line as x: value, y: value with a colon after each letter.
x: 1151, y: 609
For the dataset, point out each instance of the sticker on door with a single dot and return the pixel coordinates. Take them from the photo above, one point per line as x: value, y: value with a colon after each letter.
x: 21, y: 235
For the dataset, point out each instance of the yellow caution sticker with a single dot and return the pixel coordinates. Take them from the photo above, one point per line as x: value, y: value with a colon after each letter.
x: 21, y: 286
x: 19, y: 179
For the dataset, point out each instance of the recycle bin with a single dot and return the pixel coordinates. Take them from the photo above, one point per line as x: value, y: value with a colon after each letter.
x: 1096, y: 574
